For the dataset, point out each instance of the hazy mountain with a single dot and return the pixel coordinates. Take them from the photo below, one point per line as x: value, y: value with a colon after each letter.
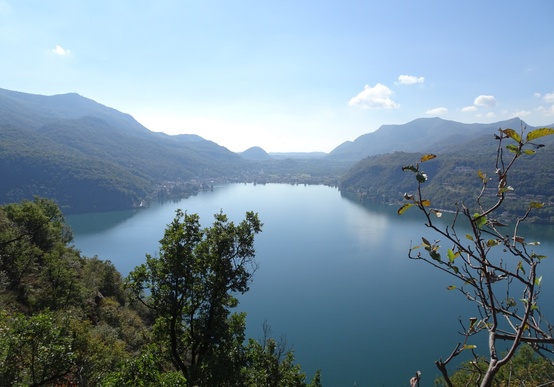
x: 453, y: 175
x: 420, y: 135
x: 92, y: 157
x: 255, y: 153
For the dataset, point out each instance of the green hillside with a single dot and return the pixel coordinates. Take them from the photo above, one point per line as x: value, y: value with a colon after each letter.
x: 453, y: 177
x: 89, y: 157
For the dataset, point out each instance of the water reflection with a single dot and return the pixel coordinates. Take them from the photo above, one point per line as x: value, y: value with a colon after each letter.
x: 93, y: 223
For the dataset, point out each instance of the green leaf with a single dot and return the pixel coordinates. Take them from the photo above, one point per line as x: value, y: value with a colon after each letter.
x: 451, y: 287
x: 469, y: 346
x: 520, y: 267
x: 513, y: 148
x: 403, y: 209
x: 529, y: 151
x: 538, y: 281
x: 421, y: 177
x: 427, y: 157
x: 480, y: 220
x: 452, y: 255
x: 425, y: 203
x: 538, y: 133
x: 469, y: 237
x: 537, y: 256
x: 536, y: 205
x: 410, y: 168
x: 425, y: 241
x: 455, y: 269
x: 512, y: 134
x: 435, y: 255
x: 492, y: 242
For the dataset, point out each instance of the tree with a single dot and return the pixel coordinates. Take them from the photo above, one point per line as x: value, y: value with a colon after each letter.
x: 34, y: 351
x: 525, y: 368
x: 489, y: 265
x: 191, y: 286
x: 33, y: 239
x: 270, y: 364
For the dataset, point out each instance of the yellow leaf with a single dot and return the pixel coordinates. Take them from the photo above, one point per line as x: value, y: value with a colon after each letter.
x: 403, y: 209
x: 482, y: 176
x: 538, y: 133
x: 427, y: 157
x: 512, y: 134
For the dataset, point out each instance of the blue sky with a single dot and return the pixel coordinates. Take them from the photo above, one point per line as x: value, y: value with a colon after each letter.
x: 286, y: 75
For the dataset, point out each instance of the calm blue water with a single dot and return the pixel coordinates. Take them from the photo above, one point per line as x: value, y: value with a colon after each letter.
x: 334, y: 277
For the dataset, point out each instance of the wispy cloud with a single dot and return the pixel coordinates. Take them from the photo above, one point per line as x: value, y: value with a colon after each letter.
x: 548, y: 98
x: 485, y: 100
x: 59, y: 50
x: 438, y: 111
x: 378, y: 96
x: 409, y: 80
x: 471, y: 108
x: 547, y: 111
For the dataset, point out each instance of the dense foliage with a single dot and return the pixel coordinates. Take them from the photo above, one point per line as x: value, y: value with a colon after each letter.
x: 66, y: 319
x: 526, y: 368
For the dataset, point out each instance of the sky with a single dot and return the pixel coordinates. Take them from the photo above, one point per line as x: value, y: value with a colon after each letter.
x: 287, y: 75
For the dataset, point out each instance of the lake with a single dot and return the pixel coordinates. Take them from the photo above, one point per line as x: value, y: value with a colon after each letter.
x: 334, y: 278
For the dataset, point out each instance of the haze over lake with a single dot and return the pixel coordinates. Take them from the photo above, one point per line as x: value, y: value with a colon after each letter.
x: 333, y: 277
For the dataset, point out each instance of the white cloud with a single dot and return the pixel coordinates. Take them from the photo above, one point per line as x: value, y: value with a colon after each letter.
x: 547, y: 111
x: 537, y: 95
x: 490, y: 115
x: 437, y: 111
x: 485, y: 100
x: 409, y: 80
x: 471, y: 108
x: 59, y: 50
x: 548, y: 98
x: 378, y: 96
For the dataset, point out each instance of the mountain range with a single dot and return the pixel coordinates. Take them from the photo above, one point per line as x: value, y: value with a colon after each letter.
x: 434, y: 135
x: 90, y: 157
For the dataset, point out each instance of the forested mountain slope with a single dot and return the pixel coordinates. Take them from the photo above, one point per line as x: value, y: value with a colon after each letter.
x: 90, y: 157
x: 453, y: 176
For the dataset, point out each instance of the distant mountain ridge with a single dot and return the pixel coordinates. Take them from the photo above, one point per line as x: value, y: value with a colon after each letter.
x: 255, y: 153
x: 91, y: 157
x: 419, y: 135
x: 453, y: 175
